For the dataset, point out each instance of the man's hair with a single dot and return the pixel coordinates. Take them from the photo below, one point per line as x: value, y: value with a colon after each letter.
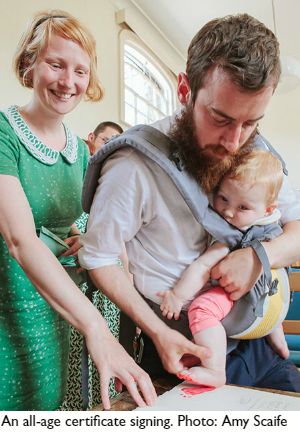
x: 108, y: 124
x: 239, y: 44
x: 36, y: 37
x: 259, y: 166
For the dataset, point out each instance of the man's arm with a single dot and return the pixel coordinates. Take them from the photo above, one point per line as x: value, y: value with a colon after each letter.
x: 170, y: 344
x: 284, y: 250
x: 122, y: 203
x: 240, y: 270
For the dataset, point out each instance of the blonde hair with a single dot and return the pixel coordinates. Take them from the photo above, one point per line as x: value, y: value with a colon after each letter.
x: 259, y: 166
x: 36, y: 37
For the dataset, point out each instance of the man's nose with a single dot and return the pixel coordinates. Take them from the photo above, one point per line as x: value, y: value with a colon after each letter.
x: 231, y: 138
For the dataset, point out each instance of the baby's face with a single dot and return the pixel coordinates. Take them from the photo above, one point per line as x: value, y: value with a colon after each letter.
x: 241, y: 204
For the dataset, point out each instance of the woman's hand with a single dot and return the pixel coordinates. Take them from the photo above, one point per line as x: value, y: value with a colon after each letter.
x: 112, y: 360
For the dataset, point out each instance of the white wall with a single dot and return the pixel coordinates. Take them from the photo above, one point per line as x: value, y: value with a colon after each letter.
x: 281, y: 126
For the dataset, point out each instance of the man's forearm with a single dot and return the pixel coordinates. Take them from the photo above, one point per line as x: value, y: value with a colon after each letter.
x: 284, y: 250
x: 116, y: 285
x: 170, y: 344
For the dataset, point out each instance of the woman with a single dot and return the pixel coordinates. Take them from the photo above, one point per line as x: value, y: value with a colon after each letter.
x: 42, y: 164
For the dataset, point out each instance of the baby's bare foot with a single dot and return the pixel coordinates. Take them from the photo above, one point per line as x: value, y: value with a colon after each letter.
x: 202, y: 376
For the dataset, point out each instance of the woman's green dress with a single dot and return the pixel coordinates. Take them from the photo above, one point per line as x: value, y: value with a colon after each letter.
x: 34, y: 339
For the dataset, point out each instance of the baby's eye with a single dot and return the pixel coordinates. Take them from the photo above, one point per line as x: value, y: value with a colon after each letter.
x: 55, y: 65
x: 242, y: 207
x: 80, y: 72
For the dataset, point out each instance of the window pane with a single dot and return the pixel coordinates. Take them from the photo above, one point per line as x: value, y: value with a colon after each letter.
x: 129, y: 114
x: 129, y: 97
x: 141, y: 118
x: 142, y: 106
x: 148, y: 95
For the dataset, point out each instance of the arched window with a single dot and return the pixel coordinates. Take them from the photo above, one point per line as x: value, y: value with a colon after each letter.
x: 148, y: 88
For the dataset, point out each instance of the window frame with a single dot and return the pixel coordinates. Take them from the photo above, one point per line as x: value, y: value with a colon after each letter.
x: 127, y: 37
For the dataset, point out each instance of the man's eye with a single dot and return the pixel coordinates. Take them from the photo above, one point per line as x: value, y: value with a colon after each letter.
x: 249, y: 125
x: 55, y: 65
x: 220, y: 121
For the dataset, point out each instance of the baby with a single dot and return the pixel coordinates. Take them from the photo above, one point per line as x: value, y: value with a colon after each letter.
x: 245, y: 197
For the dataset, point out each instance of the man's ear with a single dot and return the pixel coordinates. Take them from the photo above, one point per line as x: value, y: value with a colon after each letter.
x: 91, y: 137
x: 90, y: 143
x: 183, y: 89
x: 270, y: 209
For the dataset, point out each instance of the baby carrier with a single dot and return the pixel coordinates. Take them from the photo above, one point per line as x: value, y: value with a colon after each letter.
x: 265, y: 306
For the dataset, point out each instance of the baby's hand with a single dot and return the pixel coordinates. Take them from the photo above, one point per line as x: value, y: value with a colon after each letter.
x: 171, y: 305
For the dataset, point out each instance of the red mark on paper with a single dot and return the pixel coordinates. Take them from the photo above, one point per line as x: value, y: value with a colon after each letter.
x: 195, y: 389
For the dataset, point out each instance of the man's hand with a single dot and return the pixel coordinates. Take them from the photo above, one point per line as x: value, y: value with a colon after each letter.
x: 172, y: 346
x: 74, y: 244
x: 171, y: 304
x: 238, y: 272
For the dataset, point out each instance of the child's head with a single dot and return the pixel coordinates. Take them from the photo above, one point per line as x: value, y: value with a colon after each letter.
x: 249, y: 191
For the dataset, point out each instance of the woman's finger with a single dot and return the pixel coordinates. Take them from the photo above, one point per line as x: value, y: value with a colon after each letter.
x: 104, y: 384
x: 146, y: 388
x: 132, y: 388
x: 118, y: 385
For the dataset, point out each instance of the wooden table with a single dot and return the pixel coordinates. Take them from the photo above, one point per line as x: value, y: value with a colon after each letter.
x: 123, y: 401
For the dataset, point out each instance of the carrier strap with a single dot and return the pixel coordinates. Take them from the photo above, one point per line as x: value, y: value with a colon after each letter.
x: 270, y: 286
x: 157, y: 146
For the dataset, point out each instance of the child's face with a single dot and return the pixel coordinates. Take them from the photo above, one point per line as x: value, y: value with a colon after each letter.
x: 241, y: 204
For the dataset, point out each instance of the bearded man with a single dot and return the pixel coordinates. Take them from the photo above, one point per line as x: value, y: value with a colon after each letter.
x: 232, y: 71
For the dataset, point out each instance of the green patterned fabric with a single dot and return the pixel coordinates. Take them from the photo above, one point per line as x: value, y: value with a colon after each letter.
x: 111, y: 314
x: 34, y: 339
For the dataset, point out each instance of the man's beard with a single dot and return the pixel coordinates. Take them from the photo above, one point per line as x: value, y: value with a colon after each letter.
x: 207, y: 166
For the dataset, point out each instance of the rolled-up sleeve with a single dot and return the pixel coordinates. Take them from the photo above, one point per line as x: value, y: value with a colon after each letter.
x: 117, y: 211
x: 288, y: 202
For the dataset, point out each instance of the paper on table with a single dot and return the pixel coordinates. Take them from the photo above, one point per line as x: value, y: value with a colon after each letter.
x: 225, y: 398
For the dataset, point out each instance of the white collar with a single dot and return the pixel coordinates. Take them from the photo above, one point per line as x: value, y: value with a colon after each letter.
x: 32, y: 143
